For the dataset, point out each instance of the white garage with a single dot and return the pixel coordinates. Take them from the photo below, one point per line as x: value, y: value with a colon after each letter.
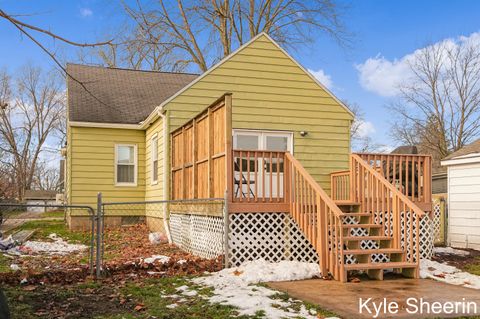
x: 464, y: 197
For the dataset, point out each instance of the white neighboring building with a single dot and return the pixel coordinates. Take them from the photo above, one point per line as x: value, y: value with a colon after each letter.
x: 33, y: 197
x: 464, y: 196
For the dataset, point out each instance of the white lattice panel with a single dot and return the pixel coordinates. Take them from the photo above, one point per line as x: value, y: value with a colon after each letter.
x: 437, y: 221
x: 200, y: 235
x: 272, y: 236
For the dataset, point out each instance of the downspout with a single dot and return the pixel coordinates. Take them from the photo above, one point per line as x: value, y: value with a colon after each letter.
x: 166, y: 178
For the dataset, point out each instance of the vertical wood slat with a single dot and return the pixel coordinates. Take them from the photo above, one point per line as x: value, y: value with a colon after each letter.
x: 195, y: 177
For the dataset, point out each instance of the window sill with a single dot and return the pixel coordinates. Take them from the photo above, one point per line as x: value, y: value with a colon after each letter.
x: 126, y: 185
x: 154, y: 183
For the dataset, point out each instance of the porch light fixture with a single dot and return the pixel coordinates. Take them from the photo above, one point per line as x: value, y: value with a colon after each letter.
x: 303, y: 133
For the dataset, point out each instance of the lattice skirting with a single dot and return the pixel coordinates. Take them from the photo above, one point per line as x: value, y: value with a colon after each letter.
x: 202, y: 236
x: 426, y: 239
x: 437, y: 221
x: 272, y: 236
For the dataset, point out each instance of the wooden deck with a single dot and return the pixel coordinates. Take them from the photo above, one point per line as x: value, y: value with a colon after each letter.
x: 386, y: 194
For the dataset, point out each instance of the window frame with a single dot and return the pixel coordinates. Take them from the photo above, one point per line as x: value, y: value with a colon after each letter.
x: 152, y: 180
x: 262, y: 134
x: 135, y: 165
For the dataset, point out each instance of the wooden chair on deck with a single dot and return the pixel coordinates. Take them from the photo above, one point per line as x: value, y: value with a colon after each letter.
x: 244, y: 182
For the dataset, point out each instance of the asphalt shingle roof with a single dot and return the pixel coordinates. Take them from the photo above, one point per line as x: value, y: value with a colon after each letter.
x: 467, y: 149
x: 112, y: 95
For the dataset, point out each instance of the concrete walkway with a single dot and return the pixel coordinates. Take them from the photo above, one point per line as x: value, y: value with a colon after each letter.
x: 345, y: 299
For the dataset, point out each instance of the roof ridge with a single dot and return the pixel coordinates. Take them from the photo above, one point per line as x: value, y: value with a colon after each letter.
x: 127, y: 69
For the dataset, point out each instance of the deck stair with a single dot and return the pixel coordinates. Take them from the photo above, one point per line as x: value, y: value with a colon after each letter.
x: 368, y: 224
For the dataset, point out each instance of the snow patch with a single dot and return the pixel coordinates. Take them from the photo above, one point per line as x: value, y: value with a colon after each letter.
x: 181, y: 261
x: 233, y: 286
x: 57, y: 247
x: 160, y: 258
x: 15, y: 267
x: 448, y: 274
x: 450, y: 251
x: 172, y: 306
x: 157, y: 238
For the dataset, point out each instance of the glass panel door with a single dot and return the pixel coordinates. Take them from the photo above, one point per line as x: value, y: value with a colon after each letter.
x: 266, y: 178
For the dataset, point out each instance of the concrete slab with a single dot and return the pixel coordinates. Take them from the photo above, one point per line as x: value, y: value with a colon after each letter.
x: 345, y: 299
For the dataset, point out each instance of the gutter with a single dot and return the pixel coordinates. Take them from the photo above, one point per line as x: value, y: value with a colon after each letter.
x: 166, y: 143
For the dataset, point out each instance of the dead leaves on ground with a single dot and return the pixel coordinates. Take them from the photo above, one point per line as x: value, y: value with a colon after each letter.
x: 125, y: 250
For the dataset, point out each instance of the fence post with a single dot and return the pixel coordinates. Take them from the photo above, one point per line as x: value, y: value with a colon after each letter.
x: 99, y: 235
x: 227, y: 226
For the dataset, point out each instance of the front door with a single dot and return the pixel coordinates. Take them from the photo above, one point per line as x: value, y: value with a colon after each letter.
x: 269, y: 180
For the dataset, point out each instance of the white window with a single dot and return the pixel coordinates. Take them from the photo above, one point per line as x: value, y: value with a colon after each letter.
x: 125, y: 165
x: 263, y: 140
x: 154, y: 158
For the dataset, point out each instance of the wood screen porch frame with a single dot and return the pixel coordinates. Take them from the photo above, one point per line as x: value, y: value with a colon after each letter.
x: 201, y: 153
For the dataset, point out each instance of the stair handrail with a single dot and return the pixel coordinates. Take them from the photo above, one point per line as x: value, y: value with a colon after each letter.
x: 411, y: 246
x: 328, y: 200
x: 389, y: 185
x: 318, y: 217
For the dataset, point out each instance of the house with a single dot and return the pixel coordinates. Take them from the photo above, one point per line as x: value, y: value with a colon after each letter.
x: 464, y: 196
x: 39, y: 197
x: 258, y: 130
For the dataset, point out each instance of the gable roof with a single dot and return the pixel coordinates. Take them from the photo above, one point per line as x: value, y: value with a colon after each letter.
x: 113, y: 95
x: 154, y: 115
x: 466, y: 150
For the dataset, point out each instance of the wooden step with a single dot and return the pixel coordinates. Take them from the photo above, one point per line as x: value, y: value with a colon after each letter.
x: 346, y: 203
x: 389, y: 265
x: 357, y: 214
x: 352, y: 238
x: 372, y: 251
x: 361, y: 226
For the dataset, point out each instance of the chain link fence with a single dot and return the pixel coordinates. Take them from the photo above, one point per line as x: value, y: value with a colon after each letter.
x: 20, y: 222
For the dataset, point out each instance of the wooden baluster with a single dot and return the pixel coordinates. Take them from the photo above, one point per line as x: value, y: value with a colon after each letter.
x: 255, y: 167
x: 278, y: 177
x: 413, y: 179
x: 240, y: 184
x: 248, y: 176
x: 263, y: 176
x: 271, y: 176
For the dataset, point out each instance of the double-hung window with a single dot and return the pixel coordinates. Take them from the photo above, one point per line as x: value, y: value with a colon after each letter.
x: 154, y: 158
x: 125, y: 165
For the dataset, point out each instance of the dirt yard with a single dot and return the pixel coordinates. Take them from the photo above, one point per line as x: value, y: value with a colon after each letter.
x: 141, y: 280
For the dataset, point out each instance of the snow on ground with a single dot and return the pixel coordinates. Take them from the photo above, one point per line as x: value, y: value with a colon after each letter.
x: 160, y: 258
x: 57, y: 247
x: 234, y: 286
x: 450, y: 251
x: 448, y: 274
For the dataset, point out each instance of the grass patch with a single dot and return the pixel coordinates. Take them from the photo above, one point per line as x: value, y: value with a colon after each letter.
x: 54, y: 214
x: 46, y: 227
x: 474, y: 267
x: 297, y: 305
x: 156, y: 295
x: 5, y: 264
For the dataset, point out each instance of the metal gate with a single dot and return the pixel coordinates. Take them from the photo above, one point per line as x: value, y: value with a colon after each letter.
x: 13, y: 215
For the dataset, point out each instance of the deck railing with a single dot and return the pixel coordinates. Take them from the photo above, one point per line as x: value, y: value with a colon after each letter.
x: 340, y: 186
x: 389, y: 207
x: 317, y: 215
x: 258, y: 181
x: 409, y: 173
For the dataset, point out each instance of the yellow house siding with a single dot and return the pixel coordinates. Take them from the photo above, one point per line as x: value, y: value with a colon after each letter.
x: 92, y: 160
x: 154, y: 192
x: 270, y: 92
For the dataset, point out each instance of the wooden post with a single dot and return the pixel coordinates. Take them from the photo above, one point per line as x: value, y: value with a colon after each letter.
x: 194, y: 160
x: 210, y: 153
x: 228, y: 146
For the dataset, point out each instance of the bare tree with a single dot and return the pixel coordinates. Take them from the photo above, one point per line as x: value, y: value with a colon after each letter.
x: 439, y: 107
x: 175, y: 34
x: 360, y: 141
x: 46, y: 177
x: 31, y: 112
